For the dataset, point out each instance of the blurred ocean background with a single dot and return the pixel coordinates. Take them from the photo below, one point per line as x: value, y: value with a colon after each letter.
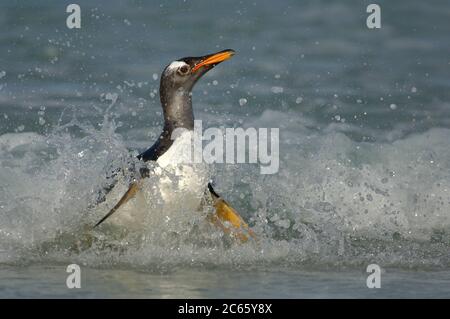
x: 364, y: 118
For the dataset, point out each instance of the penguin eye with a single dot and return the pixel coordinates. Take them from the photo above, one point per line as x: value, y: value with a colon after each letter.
x: 183, y: 70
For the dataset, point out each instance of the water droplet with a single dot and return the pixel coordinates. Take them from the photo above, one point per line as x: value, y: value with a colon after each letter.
x: 277, y: 89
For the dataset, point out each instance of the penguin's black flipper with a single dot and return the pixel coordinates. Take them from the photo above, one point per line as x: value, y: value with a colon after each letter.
x: 111, y: 181
x: 136, y: 173
x: 130, y: 193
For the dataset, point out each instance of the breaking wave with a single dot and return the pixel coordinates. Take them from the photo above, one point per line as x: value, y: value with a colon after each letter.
x: 335, y: 202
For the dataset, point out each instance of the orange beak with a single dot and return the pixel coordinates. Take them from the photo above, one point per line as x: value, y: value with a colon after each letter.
x: 214, y: 59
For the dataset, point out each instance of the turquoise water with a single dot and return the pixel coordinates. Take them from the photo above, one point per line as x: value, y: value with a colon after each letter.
x: 49, y: 282
x: 364, y: 160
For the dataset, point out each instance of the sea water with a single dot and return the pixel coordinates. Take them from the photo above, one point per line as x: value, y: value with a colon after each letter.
x: 364, y: 159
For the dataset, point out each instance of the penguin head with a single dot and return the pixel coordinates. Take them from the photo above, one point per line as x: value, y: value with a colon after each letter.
x: 182, y: 74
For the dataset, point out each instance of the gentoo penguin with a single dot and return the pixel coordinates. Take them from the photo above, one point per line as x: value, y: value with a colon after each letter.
x: 184, y: 186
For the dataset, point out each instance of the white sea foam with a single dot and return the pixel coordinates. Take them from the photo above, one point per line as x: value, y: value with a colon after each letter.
x: 334, y: 201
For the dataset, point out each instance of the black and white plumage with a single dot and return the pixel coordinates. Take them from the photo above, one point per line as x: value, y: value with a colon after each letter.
x: 175, y: 90
x: 184, y: 185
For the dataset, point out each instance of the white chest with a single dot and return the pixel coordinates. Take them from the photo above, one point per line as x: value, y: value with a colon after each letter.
x: 173, y: 191
x: 181, y: 183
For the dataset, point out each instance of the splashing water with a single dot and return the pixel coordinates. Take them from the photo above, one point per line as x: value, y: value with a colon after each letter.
x: 335, y: 202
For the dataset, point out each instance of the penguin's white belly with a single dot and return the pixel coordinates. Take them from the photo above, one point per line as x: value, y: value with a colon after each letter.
x: 173, y: 192
x: 182, y: 183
